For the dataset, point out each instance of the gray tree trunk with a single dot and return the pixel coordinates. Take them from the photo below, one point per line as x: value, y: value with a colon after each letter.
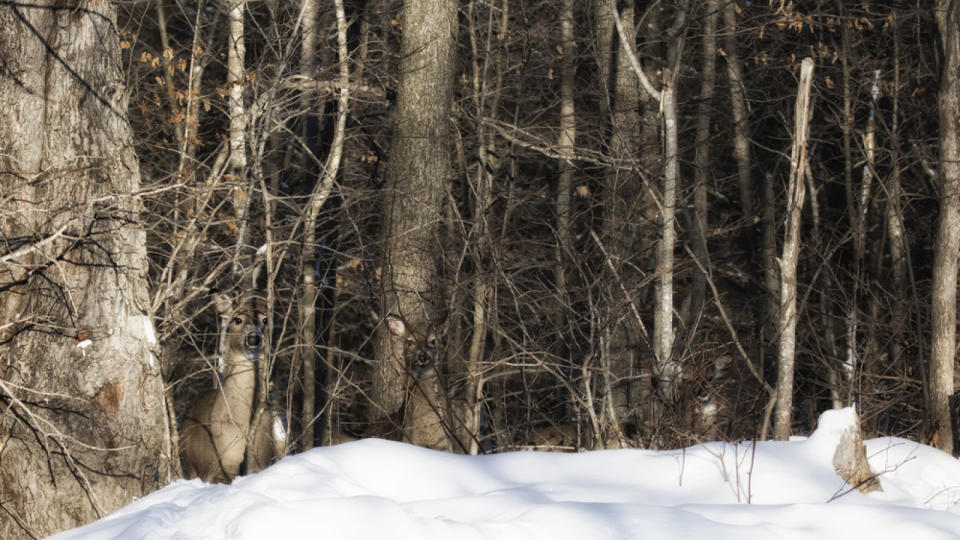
x: 83, y: 415
x: 420, y: 164
x: 944, y: 293
x: 698, y: 232
x: 623, y: 211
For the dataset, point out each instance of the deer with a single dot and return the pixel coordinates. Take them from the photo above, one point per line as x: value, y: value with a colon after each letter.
x: 217, y: 424
x: 426, y: 412
x: 569, y: 438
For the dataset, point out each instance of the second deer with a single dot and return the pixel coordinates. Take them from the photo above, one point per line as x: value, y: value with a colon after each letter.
x: 427, y: 410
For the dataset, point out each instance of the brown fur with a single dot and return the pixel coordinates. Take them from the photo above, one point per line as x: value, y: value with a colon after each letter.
x: 564, y: 438
x: 425, y: 412
x: 213, y: 435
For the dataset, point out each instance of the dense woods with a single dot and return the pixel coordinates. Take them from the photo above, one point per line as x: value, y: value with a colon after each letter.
x: 613, y: 223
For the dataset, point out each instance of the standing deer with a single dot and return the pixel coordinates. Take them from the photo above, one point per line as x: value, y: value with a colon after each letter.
x: 426, y: 411
x: 216, y: 427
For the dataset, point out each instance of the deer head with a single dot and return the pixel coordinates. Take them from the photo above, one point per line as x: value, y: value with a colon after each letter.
x: 419, y: 349
x: 244, y: 324
x: 217, y: 425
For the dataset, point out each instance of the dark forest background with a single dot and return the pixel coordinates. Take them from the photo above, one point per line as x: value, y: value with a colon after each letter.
x: 566, y: 268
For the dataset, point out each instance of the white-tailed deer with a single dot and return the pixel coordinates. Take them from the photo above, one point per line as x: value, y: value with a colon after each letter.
x: 426, y: 411
x: 568, y: 438
x: 215, y: 429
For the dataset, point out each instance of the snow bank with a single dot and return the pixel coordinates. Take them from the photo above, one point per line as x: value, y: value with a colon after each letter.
x: 378, y: 489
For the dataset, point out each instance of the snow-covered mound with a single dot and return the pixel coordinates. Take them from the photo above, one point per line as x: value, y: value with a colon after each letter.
x: 373, y: 489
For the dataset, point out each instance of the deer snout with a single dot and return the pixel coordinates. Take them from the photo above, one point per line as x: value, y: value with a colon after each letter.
x: 422, y: 365
x: 253, y: 339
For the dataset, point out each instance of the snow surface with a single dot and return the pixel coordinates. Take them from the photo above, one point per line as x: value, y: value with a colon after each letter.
x: 373, y: 489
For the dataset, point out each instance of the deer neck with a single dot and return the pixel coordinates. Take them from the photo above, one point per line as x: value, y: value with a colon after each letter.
x: 239, y: 388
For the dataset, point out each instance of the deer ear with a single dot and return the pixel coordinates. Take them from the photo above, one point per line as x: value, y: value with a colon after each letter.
x: 223, y: 304
x: 396, y: 325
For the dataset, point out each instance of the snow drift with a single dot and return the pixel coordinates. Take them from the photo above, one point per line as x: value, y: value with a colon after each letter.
x: 377, y: 489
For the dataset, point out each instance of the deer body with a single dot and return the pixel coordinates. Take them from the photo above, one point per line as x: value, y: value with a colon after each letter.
x: 425, y: 412
x: 569, y: 438
x: 426, y: 417
x: 217, y: 425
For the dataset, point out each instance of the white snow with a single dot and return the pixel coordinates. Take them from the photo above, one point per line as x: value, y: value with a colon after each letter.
x: 373, y: 489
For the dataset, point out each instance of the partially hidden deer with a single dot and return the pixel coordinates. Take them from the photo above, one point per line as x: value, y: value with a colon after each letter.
x: 426, y: 413
x: 217, y: 424
x: 569, y: 438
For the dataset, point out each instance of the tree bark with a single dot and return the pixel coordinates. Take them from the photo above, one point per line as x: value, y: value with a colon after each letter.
x: 738, y: 107
x: 420, y: 164
x: 947, y: 245
x: 83, y: 422
x: 623, y: 209
x: 698, y: 240
x: 668, y: 371
x: 566, y: 144
x: 308, y: 356
x: 236, y: 79
x: 783, y: 413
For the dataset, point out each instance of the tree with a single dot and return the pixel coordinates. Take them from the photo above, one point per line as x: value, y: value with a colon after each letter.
x: 84, y: 420
x: 788, y: 262
x: 417, y: 174
x: 947, y: 243
x: 623, y: 207
x: 667, y: 366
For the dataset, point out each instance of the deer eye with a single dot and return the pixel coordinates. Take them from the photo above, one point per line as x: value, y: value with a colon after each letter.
x: 263, y: 321
x: 238, y: 320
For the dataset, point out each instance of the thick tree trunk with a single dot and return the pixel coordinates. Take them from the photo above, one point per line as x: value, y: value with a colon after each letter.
x: 622, y: 214
x: 420, y: 164
x: 944, y: 293
x: 83, y: 422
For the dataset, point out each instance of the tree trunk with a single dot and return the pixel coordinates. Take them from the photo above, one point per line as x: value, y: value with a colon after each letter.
x: 668, y: 368
x: 738, y: 107
x: 783, y: 414
x: 622, y: 212
x: 236, y: 79
x: 566, y: 142
x: 84, y: 424
x: 308, y: 356
x: 944, y: 292
x: 698, y: 240
x: 420, y: 164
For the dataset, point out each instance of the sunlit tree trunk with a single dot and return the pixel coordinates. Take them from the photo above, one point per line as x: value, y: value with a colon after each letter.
x: 419, y: 167
x: 566, y: 142
x: 81, y: 396
x: 236, y: 82
x: 947, y: 245
x: 308, y: 317
x: 783, y: 414
x: 738, y: 107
